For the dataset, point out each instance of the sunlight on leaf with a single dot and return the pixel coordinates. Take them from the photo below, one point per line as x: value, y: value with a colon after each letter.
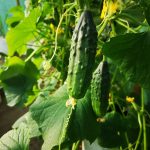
x: 51, y: 113
x: 16, y: 139
x: 24, y: 32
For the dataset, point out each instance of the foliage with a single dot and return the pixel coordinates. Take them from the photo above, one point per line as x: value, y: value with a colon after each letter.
x: 33, y: 74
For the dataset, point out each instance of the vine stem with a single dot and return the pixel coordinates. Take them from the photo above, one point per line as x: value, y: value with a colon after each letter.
x: 80, y: 4
x: 113, y: 29
x: 18, y: 2
x: 143, y: 119
x: 103, y: 26
x: 56, y: 36
x: 140, y: 132
x: 32, y: 54
x: 125, y: 134
x: 126, y: 26
x: 75, y: 146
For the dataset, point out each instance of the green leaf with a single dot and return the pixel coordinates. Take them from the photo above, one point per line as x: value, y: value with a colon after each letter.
x: 146, y: 96
x: 15, y: 66
x: 24, y: 32
x: 131, y: 53
x: 133, y: 14
x: 83, y: 122
x: 16, y: 139
x: 56, y: 121
x: 146, y: 7
x: 31, y: 124
x: 95, y: 146
x: 51, y: 113
x: 18, y: 80
x: 17, y: 16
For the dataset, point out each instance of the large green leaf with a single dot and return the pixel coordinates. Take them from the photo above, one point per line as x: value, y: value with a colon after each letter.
x: 16, y: 139
x: 14, y: 67
x: 51, y: 114
x: 56, y: 120
x: 19, y: 137
x: 94, y: 146
x: 83, y: 122
x: 24, y: 32
x: 133, y: 14
x: 131, y: 53
x: 17, y: 80
x: 16, y: 17
x: 31, y: 124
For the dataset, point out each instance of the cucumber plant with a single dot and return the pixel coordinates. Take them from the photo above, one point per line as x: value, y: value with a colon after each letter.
x: 82, y: 70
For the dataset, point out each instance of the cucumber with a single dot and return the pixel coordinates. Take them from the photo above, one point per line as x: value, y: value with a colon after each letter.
x: 100, y: 87
x: 82, y: 56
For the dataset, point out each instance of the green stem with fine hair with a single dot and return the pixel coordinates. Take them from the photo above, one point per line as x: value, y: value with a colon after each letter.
x: 143, y: 120
x: 125, y: 26
x: 59, y: 24
x: 18, y: 2
x: 80, y: 3
x: 75, y: 146
x: 104, y: 24
x: 140, y: 132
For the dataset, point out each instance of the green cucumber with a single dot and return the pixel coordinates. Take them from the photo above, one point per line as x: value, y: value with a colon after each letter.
x: 100, y: 87
x: 82, y: 56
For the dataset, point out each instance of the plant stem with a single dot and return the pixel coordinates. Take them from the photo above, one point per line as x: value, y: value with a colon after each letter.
x: 127, y: 27
x: 80, y: 3
x: 140, y: 132
x: 31, y: 55
x: 132, y: 18
x: 103, y: 26
x: 125, y: 134
x: 18, y: 2
x: 113, y: 29
x: 75, y: 146
x: 56, y: 36
x: 114, y: 75
x: 143, y: 119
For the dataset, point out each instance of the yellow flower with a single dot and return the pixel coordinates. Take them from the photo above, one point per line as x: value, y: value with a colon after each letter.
x: 104, y: 10
x: 113, y: 7
x: 98, y: 53
x: 130, y: 99
x: 100, y: 120
x: 71, y: 102
x: 59, y: 30
x: 52, y: 27
x: 110, y: 7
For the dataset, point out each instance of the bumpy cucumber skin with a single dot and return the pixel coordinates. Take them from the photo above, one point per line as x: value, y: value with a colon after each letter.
x: 100, y: 86
x: 82, y: 56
